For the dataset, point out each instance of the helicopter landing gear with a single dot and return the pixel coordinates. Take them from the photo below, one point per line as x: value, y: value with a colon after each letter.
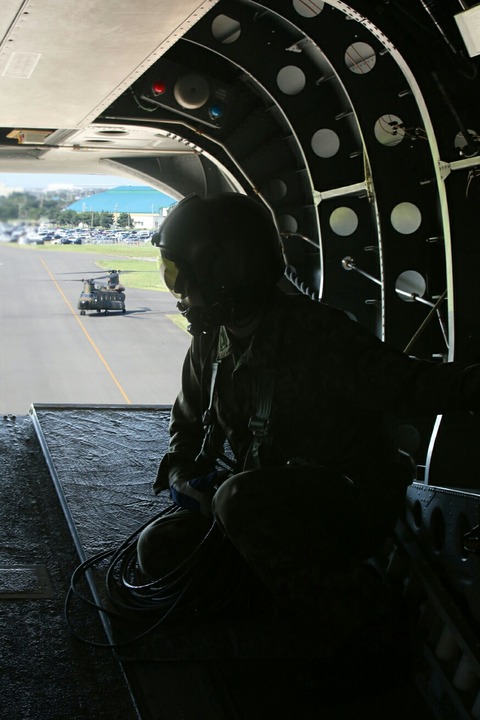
x: 82, y: 312
x: 124, y: 310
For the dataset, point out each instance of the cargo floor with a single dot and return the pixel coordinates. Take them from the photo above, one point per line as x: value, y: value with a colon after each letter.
x: 76, y: 481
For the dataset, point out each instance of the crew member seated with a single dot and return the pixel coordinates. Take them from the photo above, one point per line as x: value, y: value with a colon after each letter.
x: 299, y: 393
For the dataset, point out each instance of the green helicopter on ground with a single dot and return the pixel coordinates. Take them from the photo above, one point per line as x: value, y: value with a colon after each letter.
x: 102, y: 298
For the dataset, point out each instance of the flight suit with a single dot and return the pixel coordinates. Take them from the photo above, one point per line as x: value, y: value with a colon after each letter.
x: 324, y: 483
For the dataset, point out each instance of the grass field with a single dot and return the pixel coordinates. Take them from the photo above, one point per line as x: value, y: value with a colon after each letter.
x: 145, y: 250
x: 134, y: 273
x: 138, y: 264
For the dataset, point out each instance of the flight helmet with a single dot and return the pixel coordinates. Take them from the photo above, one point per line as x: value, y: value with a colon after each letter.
x: 226, y: 247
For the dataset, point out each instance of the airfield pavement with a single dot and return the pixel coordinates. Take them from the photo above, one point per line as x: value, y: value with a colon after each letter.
x: 49, y: 354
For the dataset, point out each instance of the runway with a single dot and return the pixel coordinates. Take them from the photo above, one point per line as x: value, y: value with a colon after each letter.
x: 51, y: 354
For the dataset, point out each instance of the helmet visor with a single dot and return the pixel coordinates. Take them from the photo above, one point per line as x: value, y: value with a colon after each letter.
x: 173, y: 277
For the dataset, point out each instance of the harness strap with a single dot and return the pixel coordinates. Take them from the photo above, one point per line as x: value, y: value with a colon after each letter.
x: 208, y: 416
x: 259, y: 422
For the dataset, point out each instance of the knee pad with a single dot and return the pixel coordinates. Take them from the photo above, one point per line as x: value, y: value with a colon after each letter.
x: 242, y: 496
x: 225, y: 497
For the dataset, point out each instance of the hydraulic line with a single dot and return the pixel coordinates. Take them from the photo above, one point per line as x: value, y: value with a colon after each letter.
x: 427, y: 6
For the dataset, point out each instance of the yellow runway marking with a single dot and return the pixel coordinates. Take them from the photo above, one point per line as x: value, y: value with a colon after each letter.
x: 90, y: 340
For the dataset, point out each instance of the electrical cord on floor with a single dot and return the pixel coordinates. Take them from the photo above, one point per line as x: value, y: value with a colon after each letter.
x: 204, y: 583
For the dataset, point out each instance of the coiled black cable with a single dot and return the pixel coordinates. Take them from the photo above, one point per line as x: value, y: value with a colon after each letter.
x: 205, y: 583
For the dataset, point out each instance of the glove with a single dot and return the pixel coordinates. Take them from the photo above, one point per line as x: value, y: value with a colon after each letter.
x: 196, y: 494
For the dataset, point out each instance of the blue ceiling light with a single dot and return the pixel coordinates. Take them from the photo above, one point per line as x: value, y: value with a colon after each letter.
x: 215, y: 111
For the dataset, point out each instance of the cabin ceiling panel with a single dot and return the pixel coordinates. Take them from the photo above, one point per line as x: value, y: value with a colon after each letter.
x: 62, y: 62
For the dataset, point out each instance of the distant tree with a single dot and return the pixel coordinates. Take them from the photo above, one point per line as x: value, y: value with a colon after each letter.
x: 31, y: 207
x: 20, y: 206
x: 36, y: 206
x: 69, y: 218
x: 124, y: 220
x: 9, y: 208
x: 106, y: 219
x: 90, y: 219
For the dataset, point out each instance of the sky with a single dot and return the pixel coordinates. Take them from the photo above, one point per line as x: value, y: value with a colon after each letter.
x: 35, y: 180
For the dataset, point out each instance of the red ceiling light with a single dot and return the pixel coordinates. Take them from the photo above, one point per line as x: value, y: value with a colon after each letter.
x: 158, y: 87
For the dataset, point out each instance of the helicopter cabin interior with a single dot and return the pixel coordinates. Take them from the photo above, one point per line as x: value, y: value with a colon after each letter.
x: 358, y: 125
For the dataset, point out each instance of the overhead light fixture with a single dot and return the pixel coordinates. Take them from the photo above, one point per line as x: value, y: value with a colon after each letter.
x: 29, y: 137
x: 200, y: 97
x: 158, y: 87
